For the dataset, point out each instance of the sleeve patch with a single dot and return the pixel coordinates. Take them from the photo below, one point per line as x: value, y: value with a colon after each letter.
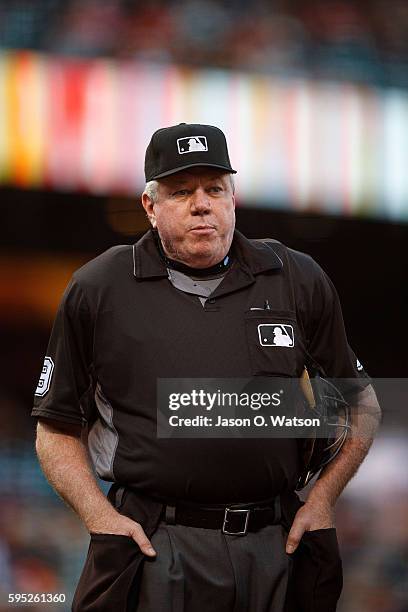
x: 45, y: 377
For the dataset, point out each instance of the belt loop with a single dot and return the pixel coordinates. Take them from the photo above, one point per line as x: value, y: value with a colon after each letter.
x: 170, y: 516
x: 119, y: 497
x: 278, y: 509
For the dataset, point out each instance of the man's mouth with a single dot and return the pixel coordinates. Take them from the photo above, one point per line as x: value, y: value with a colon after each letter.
x: 202, y: 229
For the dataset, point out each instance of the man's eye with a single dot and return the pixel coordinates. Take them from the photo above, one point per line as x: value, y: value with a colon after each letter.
x: 180, y: 192
x: 215, y: 188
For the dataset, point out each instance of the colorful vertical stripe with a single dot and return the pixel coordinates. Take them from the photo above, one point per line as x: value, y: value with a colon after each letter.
x: 72, y: 124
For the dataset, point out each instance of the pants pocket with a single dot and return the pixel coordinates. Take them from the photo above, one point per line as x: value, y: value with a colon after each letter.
x: 316, y: 580
x: 107, y: 580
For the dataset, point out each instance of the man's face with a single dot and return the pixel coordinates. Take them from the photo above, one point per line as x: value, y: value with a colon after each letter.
x: 194, y: 215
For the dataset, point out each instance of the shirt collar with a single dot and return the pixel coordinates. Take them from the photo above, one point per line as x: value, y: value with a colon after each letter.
x: 257, y: 256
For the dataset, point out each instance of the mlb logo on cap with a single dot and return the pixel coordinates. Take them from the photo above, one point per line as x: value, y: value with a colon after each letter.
x: 191, y: 144
x: 186, y: 145
x: 276, y: 334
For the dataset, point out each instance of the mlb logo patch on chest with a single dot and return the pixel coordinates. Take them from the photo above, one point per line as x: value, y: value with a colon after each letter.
x: 276, y: 334
x: 45, y: 377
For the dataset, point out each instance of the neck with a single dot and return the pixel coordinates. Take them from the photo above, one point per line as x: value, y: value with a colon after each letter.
x: 221, y: 266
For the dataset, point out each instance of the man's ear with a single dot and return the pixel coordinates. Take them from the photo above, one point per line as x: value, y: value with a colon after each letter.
x: 148, y: 205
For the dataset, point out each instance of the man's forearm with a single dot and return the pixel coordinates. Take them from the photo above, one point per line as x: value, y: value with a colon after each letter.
x: 65, y: 462
x: 335, y: 476
x: 318, y: 511
x: 365, y: 418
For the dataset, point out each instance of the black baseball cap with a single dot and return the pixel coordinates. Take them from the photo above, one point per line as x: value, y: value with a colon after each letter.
x: 183, y: 146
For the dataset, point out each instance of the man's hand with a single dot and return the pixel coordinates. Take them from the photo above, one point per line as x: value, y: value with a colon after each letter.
x: 118, y: 524
x: 311, y: 516
x: 65, y: 461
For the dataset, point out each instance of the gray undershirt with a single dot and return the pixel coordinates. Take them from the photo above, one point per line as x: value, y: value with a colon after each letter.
x: 201, y: 287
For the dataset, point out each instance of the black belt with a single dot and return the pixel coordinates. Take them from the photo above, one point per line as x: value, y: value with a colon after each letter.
x: 234, y: 519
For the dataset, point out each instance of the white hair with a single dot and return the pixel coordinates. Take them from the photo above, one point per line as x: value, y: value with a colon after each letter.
x: 152, y: 189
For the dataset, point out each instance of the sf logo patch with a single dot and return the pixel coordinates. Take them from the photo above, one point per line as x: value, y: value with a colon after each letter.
x: 276, y: 334
x: 45, y: 377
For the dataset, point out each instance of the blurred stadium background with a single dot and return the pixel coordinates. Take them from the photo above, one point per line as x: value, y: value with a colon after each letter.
x: 313, y: 97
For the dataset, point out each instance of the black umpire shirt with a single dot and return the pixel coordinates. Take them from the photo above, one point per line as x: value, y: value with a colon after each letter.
x: 121, y: 325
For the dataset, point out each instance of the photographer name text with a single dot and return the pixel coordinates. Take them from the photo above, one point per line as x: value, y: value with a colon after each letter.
x: 256, y: 420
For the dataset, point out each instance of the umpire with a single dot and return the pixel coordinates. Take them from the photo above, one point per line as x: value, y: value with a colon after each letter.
x: 193, y: 525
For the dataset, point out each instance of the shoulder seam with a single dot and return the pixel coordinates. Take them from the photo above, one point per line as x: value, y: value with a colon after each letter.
x: 82, y: 290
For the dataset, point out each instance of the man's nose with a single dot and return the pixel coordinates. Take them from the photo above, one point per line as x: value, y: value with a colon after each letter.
x: 200, y: 202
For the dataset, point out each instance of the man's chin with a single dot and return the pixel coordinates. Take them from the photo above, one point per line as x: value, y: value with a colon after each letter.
x: 203, y: 259
x: 200, y: 253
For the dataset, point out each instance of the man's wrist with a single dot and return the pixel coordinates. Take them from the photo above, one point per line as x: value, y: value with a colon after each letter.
x: 322, y: 494
x: 98, y: 522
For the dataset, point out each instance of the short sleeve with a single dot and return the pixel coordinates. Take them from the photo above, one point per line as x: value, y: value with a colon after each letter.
x: 328, y: 345
x: 65, y: 388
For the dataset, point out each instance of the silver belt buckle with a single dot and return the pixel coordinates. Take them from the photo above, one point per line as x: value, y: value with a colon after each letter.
x: 227, y: 510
